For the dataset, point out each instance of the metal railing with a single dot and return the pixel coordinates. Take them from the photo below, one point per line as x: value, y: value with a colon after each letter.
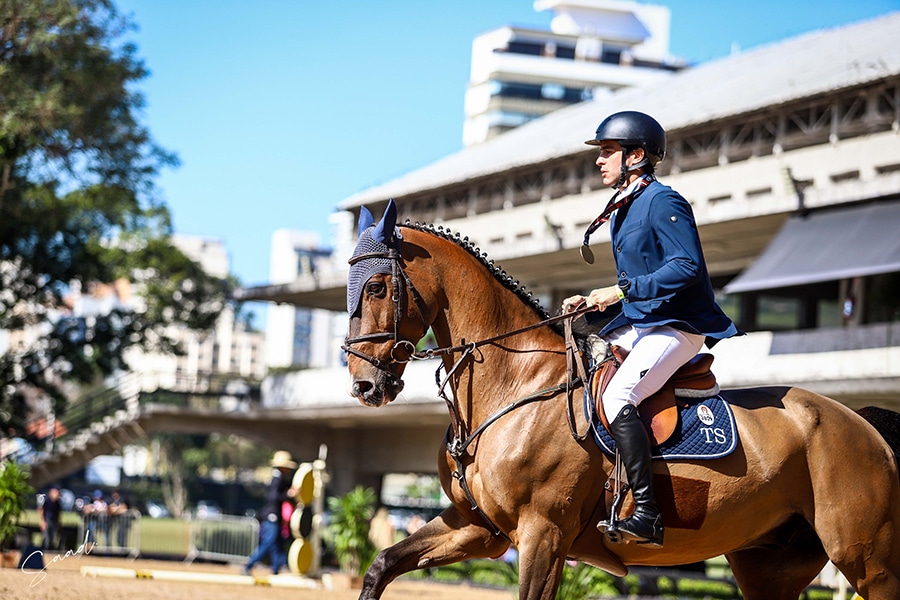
x: 224, y: 538
x: 112, y: 534
x: 142, y: 388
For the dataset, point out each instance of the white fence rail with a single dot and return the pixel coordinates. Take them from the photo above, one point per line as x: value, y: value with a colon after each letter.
x: 224, y: 538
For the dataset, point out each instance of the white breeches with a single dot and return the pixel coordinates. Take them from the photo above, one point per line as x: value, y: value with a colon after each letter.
x: 654, y: 354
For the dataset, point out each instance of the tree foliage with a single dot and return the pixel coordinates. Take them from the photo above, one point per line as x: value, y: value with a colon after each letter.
x: 14, y: 489
x: 78, y: 205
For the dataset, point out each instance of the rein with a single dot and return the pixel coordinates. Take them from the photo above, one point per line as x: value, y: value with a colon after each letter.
x: 432, y: 352
x: 457, y: 446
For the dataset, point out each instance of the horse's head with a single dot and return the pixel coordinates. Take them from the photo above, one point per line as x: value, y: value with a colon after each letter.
x: 384, y: 324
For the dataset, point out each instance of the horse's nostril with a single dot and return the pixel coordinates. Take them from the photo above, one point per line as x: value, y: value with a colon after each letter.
x: 361, y: 386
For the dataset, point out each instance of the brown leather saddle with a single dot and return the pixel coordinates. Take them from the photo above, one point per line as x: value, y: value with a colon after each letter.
x: 659, y: 412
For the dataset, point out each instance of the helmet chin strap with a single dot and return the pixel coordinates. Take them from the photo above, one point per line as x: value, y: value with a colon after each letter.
x: 635, y: 167
x: 625, y: 169
x: 644, y: 163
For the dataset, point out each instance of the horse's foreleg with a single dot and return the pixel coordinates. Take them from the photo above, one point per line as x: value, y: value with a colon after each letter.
x: 541, y: 561
x: 447, y: 539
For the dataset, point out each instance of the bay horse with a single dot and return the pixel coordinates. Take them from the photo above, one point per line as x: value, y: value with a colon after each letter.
x: 810, y: 479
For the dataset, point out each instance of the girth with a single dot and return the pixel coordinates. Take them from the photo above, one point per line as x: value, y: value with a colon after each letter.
x: 659, y: 412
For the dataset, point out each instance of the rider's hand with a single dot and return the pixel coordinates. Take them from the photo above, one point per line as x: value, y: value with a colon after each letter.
x: 573, y: 303
x: 602, y: 298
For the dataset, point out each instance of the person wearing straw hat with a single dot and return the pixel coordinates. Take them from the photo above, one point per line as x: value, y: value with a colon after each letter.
x: 270, y: 515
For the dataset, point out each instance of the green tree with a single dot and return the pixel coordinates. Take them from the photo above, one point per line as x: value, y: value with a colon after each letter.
x: 78, y: 205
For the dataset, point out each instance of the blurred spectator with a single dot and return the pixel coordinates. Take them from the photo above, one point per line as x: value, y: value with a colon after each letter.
x: 271, y: 542
x: 119, y: 519
x: 416, y: 522
x: 49, y: 513
x: 96, y: 519
x: 381, y: 530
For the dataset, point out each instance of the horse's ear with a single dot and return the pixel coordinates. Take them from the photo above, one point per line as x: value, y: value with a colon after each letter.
x: 365, y: 220
x: 384, y: 231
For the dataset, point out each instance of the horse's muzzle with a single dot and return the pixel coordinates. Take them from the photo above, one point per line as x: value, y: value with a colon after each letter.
x: 378, y: 391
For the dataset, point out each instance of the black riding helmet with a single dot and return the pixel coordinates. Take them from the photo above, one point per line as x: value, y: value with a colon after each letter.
x: 633, y: 129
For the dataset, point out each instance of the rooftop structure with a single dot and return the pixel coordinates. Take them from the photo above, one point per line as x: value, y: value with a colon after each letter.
x: 594, y: 47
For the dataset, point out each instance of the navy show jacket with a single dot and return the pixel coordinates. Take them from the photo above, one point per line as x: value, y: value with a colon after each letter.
x: 656, y: 247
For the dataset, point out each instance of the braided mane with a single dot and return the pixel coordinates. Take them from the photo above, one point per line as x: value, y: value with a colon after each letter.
x: 499, y: 274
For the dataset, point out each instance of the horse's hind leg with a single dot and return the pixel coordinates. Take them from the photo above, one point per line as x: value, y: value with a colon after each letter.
x: 857, y: 517
x: 447, y: 539
x: 873, y: 565
x: 782, y: 566
x: 862, y: 535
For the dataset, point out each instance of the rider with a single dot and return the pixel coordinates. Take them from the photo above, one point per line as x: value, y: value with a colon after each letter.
x: 668, y: 307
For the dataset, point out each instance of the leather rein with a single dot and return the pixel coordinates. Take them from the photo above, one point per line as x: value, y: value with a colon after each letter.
x: 457, y: 446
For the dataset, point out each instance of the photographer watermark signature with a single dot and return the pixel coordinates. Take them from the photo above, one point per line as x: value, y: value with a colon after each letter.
x: 41, y: 574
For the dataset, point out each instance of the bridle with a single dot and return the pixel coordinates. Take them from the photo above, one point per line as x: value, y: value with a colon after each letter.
x: 399, y: 280
x: 459, y: 443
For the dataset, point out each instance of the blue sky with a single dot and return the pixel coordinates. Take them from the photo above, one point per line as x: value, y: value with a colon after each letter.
x: 281, y: 109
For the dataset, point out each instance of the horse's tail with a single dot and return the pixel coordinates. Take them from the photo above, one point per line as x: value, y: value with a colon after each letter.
x: 887, y: 423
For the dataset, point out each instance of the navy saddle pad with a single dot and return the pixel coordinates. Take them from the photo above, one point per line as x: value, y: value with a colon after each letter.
x: 706, y: 430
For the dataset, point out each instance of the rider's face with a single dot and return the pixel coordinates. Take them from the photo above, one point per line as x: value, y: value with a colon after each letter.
x: 610, y: 162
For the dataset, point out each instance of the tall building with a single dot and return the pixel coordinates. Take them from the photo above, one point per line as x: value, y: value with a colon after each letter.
x: 298, y: 336
x: 231, y: 349
x: 594, y: 47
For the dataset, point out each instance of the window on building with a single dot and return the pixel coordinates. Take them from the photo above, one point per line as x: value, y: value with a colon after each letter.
x: 884, y: 298
x: 553, y: 91
x: 565, y: 52
x: 730, y: 304
x: 530, y: 48
x: 774, y: 313
x: 810, y: 306
x: 534, y: 91
x: 611, y: 56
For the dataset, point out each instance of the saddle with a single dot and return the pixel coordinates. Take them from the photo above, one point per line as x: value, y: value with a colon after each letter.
x: 659, y: 412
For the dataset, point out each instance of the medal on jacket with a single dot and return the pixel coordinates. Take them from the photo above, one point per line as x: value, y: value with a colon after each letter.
x: 614, y: 204
x: 586, y: 253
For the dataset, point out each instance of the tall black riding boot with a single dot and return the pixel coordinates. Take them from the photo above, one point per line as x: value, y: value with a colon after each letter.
x: 645, y: 524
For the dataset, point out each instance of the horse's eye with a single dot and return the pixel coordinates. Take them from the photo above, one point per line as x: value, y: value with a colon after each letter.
x: 375, y: 288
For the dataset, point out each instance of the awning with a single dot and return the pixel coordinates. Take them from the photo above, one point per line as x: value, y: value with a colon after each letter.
x: 827, y: 245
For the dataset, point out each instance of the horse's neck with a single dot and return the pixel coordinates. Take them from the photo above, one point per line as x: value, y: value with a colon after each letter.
x: 478, y: 309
